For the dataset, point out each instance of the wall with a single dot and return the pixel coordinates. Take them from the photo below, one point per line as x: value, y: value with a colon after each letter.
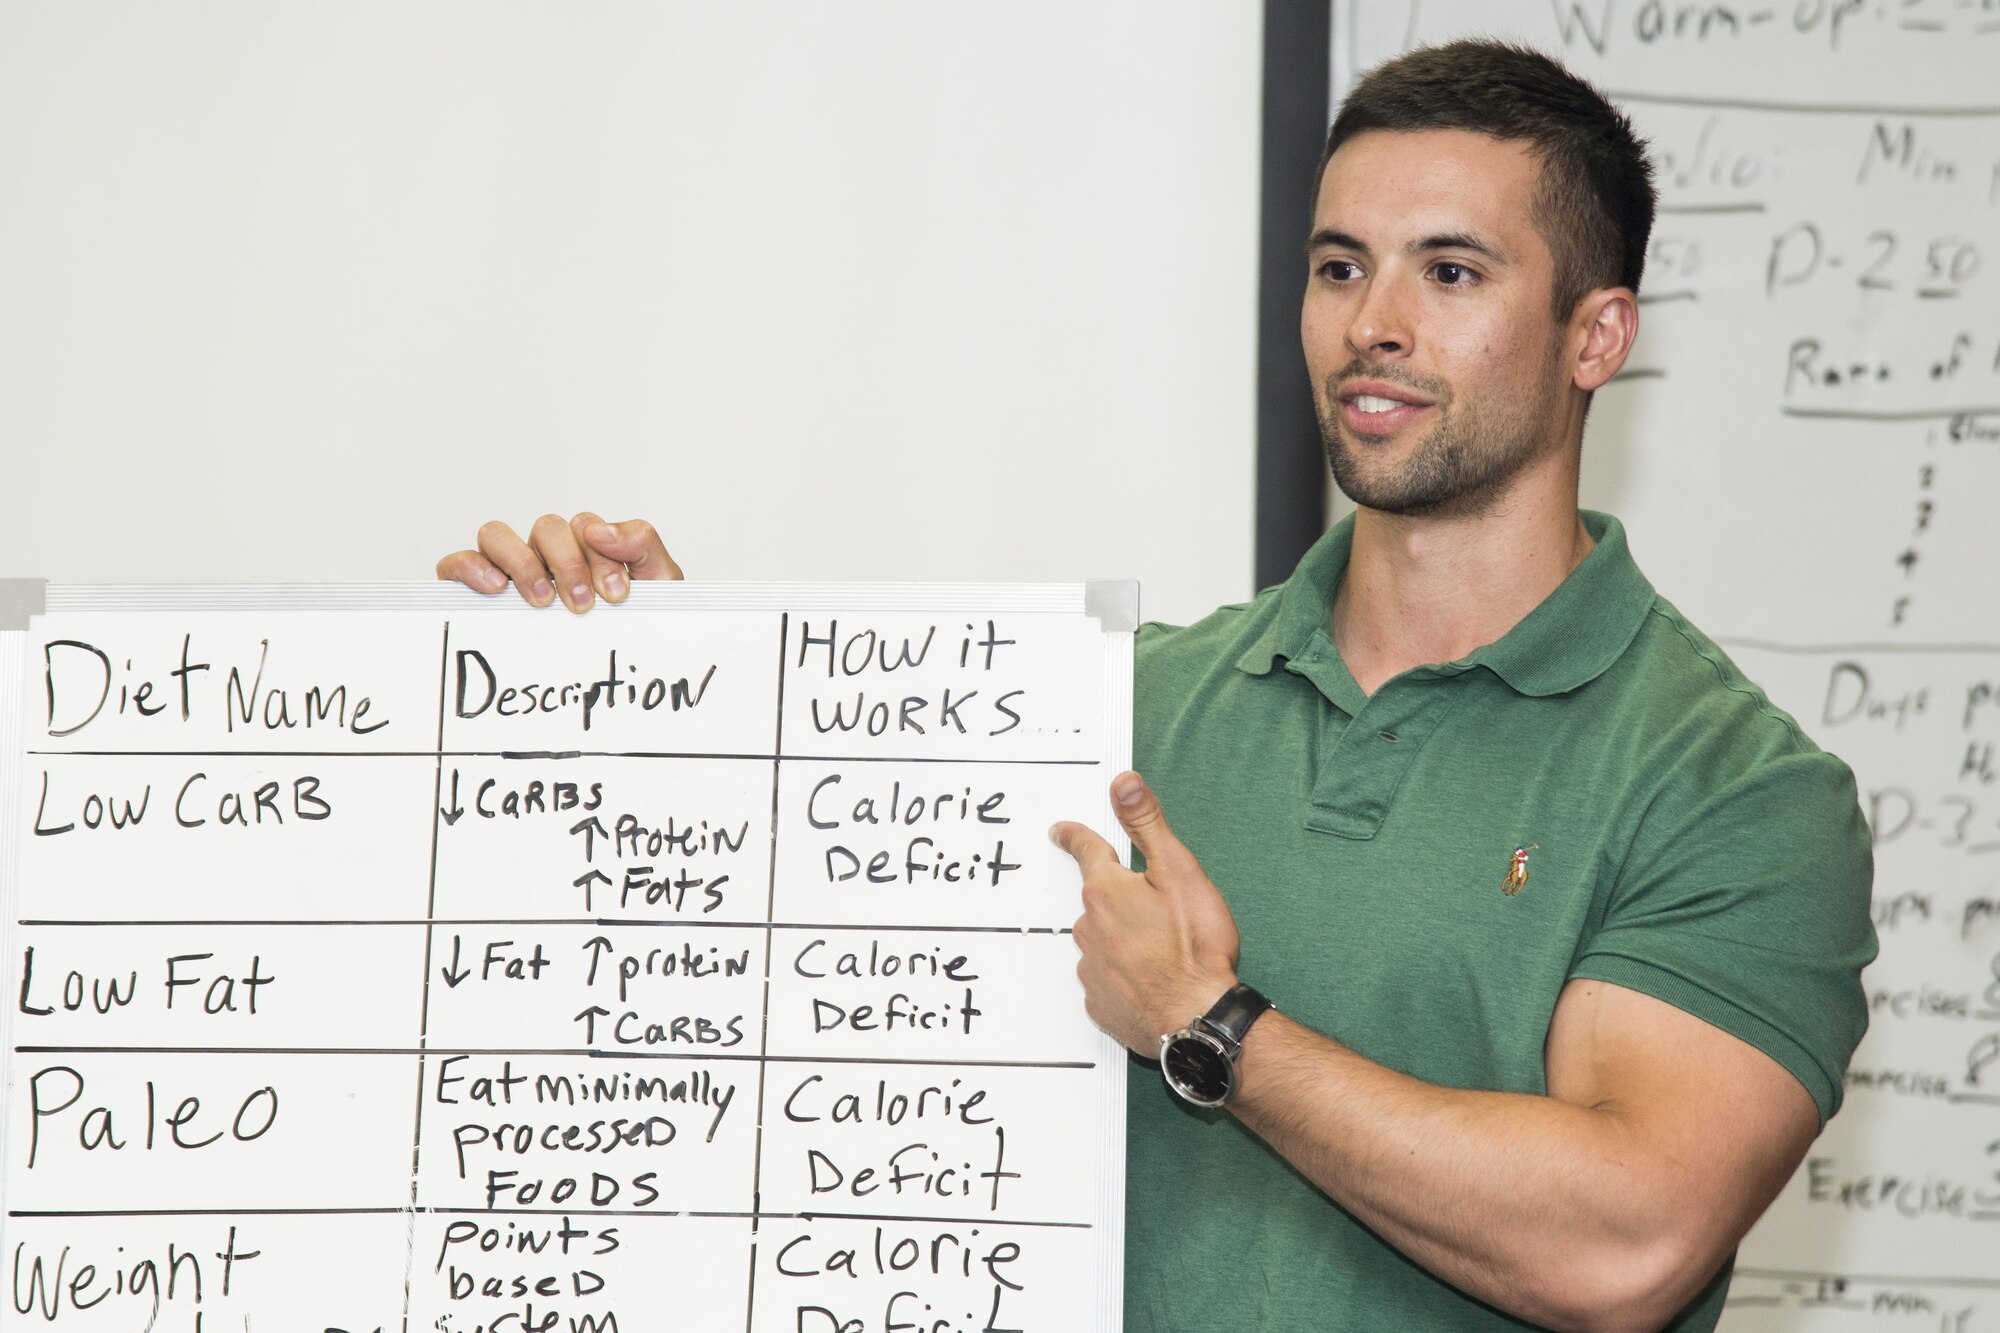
x: 857, y: 291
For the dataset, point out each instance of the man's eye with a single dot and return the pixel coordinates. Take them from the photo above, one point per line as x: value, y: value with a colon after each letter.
x: 1340, y: 270
x: 1453, y: 275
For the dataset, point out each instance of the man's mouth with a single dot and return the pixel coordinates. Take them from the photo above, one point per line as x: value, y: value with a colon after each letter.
x: 1370, y: 411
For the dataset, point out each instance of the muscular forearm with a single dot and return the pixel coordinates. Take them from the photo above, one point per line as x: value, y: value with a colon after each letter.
x: 1553, y: 1211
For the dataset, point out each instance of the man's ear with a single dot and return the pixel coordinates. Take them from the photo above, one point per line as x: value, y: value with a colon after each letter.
x: 1608, y: 320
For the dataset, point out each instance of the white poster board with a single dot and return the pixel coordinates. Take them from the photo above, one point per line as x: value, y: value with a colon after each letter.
x: 389, y: 958
x: 1805, y: 450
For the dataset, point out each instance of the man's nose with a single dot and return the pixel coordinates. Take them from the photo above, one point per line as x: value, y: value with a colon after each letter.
x: 1380, y: 325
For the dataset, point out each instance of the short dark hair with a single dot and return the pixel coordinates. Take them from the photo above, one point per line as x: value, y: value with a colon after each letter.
x: 1594, y: 205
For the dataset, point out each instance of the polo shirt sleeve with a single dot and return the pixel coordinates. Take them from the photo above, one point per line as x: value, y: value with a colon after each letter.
x: 1744, y: 900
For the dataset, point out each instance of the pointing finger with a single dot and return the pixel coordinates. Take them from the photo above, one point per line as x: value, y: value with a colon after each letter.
x: 1092, y: 852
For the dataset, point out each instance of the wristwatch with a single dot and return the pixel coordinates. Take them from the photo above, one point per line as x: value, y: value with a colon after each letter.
x: 1199, y: 1061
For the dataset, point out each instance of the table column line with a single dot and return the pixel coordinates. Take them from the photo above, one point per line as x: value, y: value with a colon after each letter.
x: 424, y: 1009
x: 764, y: 1015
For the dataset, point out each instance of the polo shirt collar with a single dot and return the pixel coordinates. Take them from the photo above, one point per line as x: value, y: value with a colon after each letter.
x: 1568, y: 640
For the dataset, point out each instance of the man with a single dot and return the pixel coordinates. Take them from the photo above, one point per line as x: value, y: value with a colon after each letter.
x: 1562, y: 920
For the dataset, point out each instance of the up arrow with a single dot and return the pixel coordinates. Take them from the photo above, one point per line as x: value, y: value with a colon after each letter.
x: 451, y: 977
x: 591, y: 830
x: 456, y: 811
x: 587, y: 881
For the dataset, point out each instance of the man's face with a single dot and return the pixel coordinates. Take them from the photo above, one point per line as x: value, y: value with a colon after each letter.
x: 1438, y: 369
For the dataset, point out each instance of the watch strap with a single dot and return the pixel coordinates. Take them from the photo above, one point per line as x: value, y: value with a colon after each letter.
x: 1231, y: 1016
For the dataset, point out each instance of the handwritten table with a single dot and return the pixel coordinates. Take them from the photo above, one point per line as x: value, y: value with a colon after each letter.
x: 390, y: 960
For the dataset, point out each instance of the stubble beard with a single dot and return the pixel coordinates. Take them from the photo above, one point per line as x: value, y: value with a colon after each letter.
x: 1461, y: 469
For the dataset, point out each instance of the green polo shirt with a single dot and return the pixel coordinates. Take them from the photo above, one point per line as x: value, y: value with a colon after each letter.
x: 1681, y: 838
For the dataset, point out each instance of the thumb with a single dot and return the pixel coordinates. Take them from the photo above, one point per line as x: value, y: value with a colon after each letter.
x: 636, y: 543
x: 1139, y: 811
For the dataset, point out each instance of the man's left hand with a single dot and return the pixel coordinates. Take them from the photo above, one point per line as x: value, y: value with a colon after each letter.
x: 1159, y: 947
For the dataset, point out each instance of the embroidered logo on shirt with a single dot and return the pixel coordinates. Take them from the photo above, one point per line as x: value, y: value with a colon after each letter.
x: 1517, y: 873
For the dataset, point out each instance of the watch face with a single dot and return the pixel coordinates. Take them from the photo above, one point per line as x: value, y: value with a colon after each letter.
x: 1196, y: 1069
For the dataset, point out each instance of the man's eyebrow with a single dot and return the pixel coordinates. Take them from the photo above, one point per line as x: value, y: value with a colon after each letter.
x: 1450, y: 240
x: 1334, y: 236
x: 1457, y: 240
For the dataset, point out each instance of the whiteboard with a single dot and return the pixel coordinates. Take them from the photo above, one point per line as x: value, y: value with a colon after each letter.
x: 704, y: 959
x: 1805, y: 449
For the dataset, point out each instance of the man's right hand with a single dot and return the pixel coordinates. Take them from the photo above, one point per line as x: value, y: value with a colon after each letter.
x: 577, y: 559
